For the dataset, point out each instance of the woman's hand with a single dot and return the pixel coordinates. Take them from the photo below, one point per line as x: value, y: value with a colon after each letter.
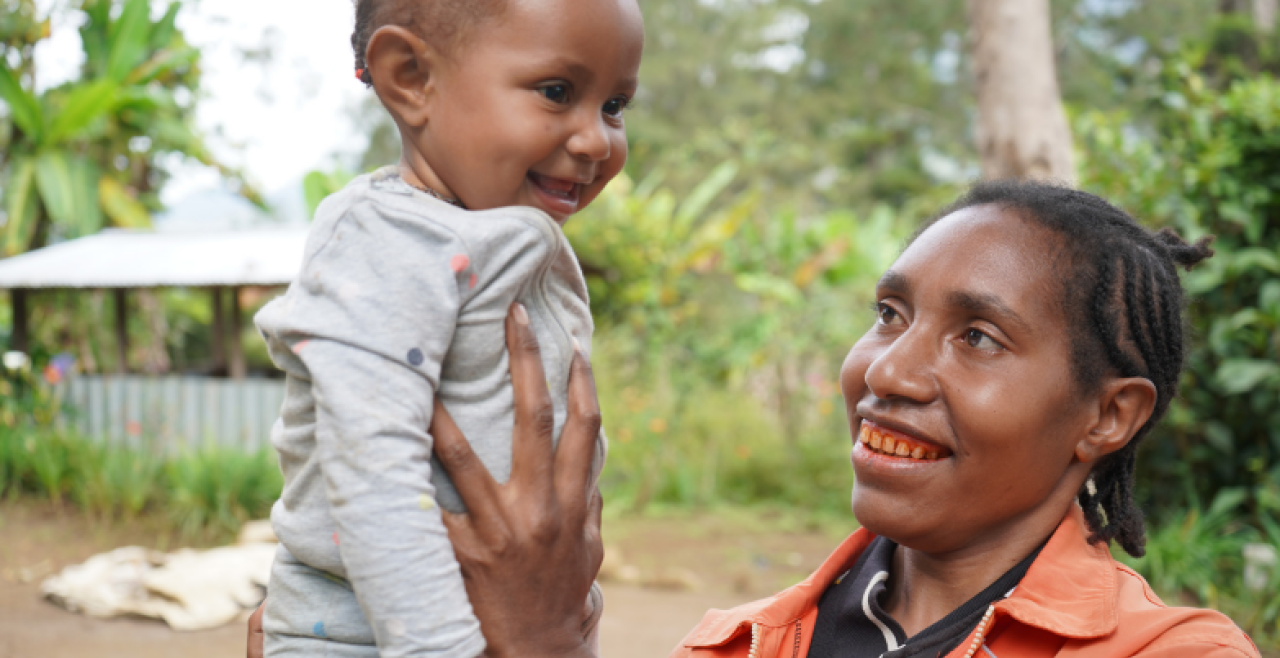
x: 530, y: 548
x: 255, y: 633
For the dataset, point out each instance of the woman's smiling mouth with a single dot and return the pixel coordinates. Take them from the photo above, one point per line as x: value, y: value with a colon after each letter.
x: 883, y: 441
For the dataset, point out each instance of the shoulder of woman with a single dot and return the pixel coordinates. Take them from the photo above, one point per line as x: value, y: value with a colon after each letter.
x: 1172, y: 632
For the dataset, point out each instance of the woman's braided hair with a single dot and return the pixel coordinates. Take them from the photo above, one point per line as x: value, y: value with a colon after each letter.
x: 444, y: 23
x: 1124, y: 302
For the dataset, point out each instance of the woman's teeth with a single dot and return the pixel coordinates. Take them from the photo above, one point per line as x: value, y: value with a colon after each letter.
x: 884, y: 444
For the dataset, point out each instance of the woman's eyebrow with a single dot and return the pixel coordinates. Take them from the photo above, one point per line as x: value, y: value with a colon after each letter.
x: 894, y: 282
x: 986, y: 303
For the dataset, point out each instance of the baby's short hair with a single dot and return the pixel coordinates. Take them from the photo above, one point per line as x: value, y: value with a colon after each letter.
x: 443, y: 23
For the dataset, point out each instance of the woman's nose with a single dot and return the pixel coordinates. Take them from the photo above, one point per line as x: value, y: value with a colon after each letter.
x: 590, y: 141
x: 903, y: 370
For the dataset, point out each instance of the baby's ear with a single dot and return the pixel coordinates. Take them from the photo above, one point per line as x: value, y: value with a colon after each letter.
x: 401, y: 65
x: 1124, y: 405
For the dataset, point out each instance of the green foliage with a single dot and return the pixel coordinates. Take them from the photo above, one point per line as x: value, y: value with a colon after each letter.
x: 206, y: 493
x: 217, y: 489
x: 687, y: 442
x: 1210, y: 164
x: 318, y: 184
x: 720, y: 322
x: 83, y: 154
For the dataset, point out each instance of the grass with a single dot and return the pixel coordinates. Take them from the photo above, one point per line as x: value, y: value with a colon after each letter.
x: 207, y: 494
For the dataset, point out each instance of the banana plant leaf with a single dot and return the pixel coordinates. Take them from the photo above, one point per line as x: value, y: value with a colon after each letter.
x: 164, y: 29
x: 127, y: 39
x: 68, y: 186
x: 84, y: 104
x: 120, y: 205
x: 21, y: 204
x: 23, y: 106
x: 161, y: 63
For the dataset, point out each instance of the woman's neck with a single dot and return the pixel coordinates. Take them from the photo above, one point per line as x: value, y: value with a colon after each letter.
x: 925, y: 587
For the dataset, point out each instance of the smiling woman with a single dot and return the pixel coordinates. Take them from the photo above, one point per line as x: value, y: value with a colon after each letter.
x: 1025, y: 342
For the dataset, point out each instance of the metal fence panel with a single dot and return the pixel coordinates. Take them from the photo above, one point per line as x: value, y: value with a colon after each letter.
x: 173, y: 412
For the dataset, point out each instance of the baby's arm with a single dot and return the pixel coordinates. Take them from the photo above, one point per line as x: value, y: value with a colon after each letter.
x: 381, y: 304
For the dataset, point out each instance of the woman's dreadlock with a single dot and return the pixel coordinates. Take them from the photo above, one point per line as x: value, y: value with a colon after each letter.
x: 441, y: 22
x: 1124, y: 302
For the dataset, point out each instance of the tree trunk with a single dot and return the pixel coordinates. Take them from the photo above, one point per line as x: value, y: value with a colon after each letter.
x: 1264, y: 15
x: 1022, y: 128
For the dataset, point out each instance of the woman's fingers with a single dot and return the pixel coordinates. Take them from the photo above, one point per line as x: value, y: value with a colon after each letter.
x: 254, y: 650
x: 595, y: 516
x: 577, y: 448
x: 534, y: 414
x: 470, y: 477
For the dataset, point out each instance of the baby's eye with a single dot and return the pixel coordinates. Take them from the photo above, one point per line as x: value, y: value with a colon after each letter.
x: 615, y: 106
x: 556, y: 93
x: 978, y: 340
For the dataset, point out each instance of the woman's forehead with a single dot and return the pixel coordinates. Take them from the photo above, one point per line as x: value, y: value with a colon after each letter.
x: 981, y: 256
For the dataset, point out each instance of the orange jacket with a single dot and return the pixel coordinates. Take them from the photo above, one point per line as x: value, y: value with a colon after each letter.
x: 1074, y: 601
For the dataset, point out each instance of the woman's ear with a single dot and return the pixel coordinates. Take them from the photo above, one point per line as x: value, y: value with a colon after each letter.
x: 1124, y: 406
x: 402, y: 65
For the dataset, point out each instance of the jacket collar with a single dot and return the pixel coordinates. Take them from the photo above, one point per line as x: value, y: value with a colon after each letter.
x: 1070, y: 590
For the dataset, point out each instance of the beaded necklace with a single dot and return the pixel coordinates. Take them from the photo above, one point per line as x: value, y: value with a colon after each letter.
x: 430, y: 192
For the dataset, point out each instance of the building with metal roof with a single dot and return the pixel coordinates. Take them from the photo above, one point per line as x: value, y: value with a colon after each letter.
x: 120, y: 260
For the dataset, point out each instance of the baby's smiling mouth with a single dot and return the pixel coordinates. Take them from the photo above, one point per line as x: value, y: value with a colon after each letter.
x: 556, y: 187
x: 884, y: 441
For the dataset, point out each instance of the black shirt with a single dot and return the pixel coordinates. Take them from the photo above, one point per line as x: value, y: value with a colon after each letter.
x: 851, y: 623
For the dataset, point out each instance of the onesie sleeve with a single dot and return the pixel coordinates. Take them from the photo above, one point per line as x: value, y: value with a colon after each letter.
x: 373, y: 316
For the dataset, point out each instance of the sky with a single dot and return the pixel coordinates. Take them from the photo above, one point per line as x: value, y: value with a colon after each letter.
x: 277, y: 117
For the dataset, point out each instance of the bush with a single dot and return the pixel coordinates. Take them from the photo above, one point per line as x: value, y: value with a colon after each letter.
x: 206, y: 493
x: 1210, y: 164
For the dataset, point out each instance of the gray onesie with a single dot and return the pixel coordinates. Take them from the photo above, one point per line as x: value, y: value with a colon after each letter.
x: 401, y: 299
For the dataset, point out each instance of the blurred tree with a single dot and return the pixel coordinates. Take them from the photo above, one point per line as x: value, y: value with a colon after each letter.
x: 1022, y: 128
x: 848, y: 104
x: 85, y: 153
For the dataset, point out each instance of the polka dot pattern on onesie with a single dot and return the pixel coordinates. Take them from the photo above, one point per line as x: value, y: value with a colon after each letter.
x: 415, y: 357
x: 459, y: 263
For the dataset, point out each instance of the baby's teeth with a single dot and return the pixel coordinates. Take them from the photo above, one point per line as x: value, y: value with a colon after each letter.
x: 917, y: 453
x: 887, y: 444
x: 903, y: 449
x: 932, y: 455
x: 876, y: 440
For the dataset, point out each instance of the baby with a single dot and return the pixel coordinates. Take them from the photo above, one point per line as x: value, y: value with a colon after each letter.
x: 510, y: 117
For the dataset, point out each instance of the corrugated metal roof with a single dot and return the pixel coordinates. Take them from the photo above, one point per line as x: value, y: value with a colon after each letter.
x: 144, y: 259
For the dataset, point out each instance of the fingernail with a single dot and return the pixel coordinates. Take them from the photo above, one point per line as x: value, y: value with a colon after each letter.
x: 522, y: 316
x: 577, y: 347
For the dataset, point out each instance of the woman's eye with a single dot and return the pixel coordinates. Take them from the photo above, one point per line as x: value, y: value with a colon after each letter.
x: 555, y: 93
x: 978, y: 340
x: 615, y: 106
x: 886, y: 313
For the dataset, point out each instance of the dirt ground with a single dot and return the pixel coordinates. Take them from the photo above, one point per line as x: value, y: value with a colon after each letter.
x: 666, y: 572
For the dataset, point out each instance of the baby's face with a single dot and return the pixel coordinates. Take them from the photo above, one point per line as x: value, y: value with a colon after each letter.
x: 529, y: 111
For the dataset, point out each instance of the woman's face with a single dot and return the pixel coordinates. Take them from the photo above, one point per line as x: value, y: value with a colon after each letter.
x: 961, y: 399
